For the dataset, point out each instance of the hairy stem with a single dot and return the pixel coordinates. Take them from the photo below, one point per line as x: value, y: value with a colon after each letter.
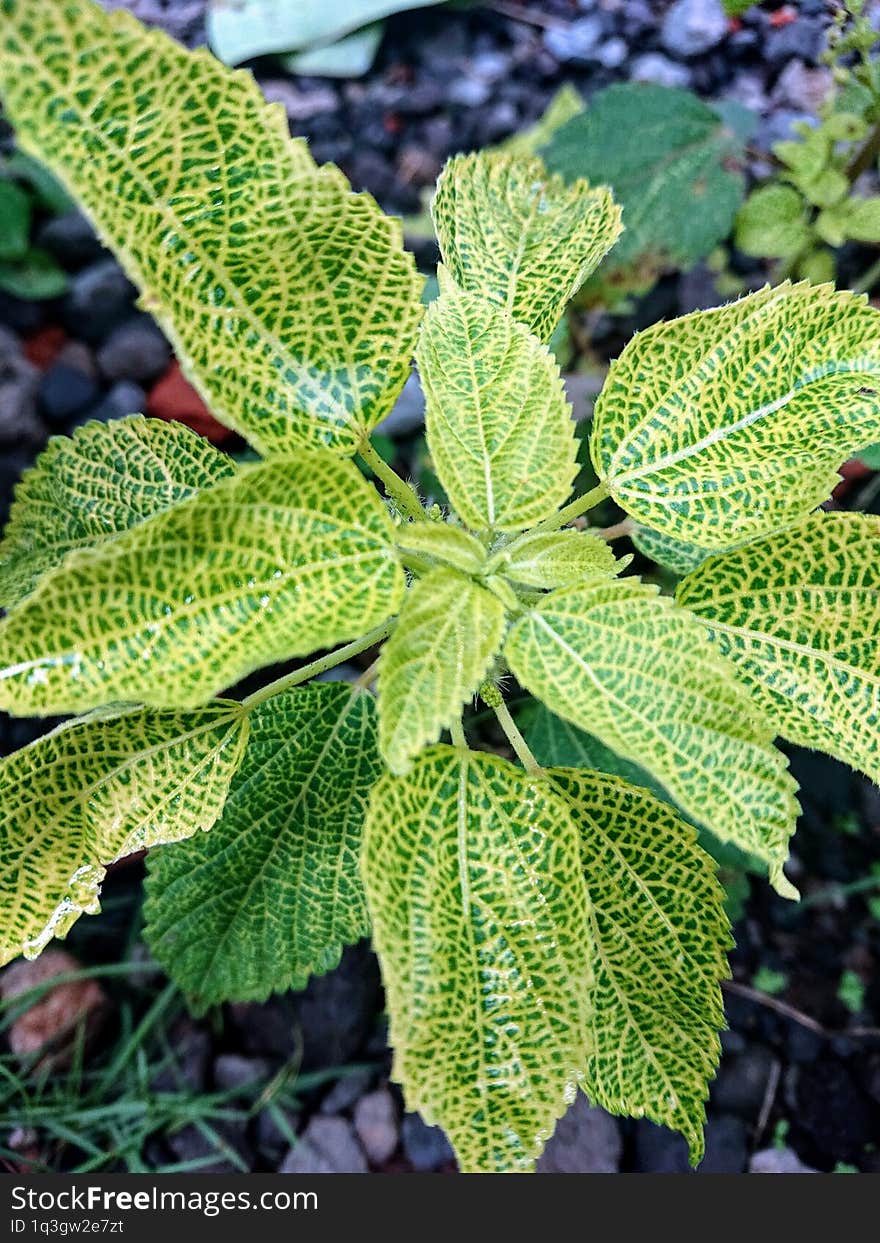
x: 515, y: 738
x: 399, y: 491
x: 456, y: 729
x: 330, y: 661
x: 865, y: 157
x: 868, y: 279
x: 574, y: 509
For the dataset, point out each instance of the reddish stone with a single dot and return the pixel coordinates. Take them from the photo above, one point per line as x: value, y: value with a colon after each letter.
x: 734, y: 25
x: 174, y: 398
x: 782, y: 17
x: 44, y: 346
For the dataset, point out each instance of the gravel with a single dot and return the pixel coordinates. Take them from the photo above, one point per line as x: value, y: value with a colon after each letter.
x: 375, y: 1121
x: 586, y: 1141
x: 327, y: 1146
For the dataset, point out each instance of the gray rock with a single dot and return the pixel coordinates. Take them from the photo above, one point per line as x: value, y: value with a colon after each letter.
x: 742, y: 1082
x: 778, y: 1161
x: 337, y: 1011
x: 136, y: 350
x: 233, y: 1072
x: 346, y: 1091
x: 189, y: 1070
x: 122, y: 399
x: 578, y: 41
x: 653, y: 67
x: 71, y: 239
x: 375, y: 1120
x: 692, y: 27
x: 747, y: 88
x: 469, y: 92
x: 490, y: 66
x: 727, y: 1146
x: 191, y: 1144
x: 97, y: 299
x: 659, y: 1151
x: 802, y: 38
x: 64, y: 392
x: 19, y: 381
x: 613, y: 53
x: 426, y: 1147
x: 801, y: 87
x: 300, y: 105
x: 586, y: 1141
x: 327, y: 1146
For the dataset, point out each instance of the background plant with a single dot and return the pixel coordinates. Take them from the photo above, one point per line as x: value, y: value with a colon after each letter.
x: 487, y: 885
x: 813, y: 204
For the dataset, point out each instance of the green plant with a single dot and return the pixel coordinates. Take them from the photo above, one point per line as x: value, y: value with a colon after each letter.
x: 803, y: 214
x: 539, y: 929
x: 27, y: 271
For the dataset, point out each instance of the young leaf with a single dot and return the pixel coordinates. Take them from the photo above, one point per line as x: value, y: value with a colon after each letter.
x: 659, y: 936
x: 670, y: 160
x: 731, y: 423
x: 548, y: 559
x: 499, y: 427
x: 479, y: 913
x: 448, y: 631
x: 282, y: 558
x: 446, y: 543
x: 798, y: 613
x: 520, y: 237
x: 94, y: 790
x: 626, y: 664
x: 289, y: 300
x: 273, y: 892
x: 90, y: 488
x: 773, y: 222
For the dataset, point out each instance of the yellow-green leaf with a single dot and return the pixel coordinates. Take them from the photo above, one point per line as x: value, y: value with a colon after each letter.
x: 658, y: 937
x: 282, y: 558
x: 89, y: 488
x: 520, y: 236
x: 798, y: 613
x: 548, y: 559
x: 94, y: 790
x: 443, y: 542
x: 499, y: 427
x: 480, y: 917
x: 289, y: 300
x: 630, y: 667
x: 447, y: 633
x: 273, y: 892
x: 732, y: 423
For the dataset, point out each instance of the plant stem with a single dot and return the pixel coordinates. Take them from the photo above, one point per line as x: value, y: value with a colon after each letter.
x: 330, y: 661
x: 516, y: 740
x: 865, y: 156
x: 456, y: 729
x: 401, y: 492
x: 574, y: 509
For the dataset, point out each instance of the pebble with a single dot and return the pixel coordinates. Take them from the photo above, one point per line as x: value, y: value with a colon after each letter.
x: 338, y: 1010
x: 653, y: 67
x: 586, y: 1141
x: 611, y: 55
x: 298, y: 104
x: 801, y: 87
x: 347, y: 1089
x: 742, y: 1083
x: 727, y: 1146
x: 97, y: 299
x: 19, y: 381
x: 803, y: 38
x: 327, y: 1146
x: 375, y: 1121
x: 426, y: 1147
x: 173, y: 397
x: 64, y: 392
x: 778, y: 1161
x: 71, y: 239
x: 408, y: 412
x: 122, y: 399
x: 232, y: 1071
x: 135, y: 350
x: 659, y: 1151
x: 576, y: 42
x: 56, y: 1014
x: 692, y: 27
